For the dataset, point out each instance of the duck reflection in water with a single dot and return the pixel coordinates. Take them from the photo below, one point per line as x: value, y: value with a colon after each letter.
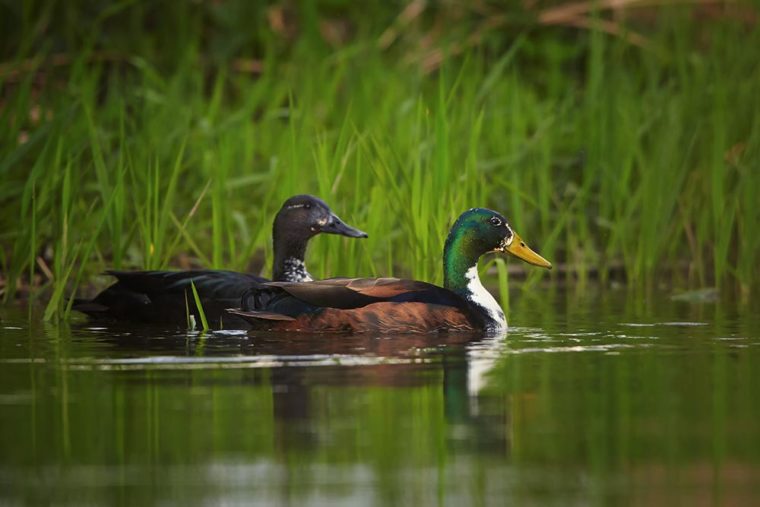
x: 306, y: 375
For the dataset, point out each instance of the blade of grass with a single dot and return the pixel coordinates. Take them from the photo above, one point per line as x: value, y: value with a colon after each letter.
x: 199, y: 307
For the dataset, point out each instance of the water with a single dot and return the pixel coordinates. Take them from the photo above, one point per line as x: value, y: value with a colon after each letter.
x: 594, y: 398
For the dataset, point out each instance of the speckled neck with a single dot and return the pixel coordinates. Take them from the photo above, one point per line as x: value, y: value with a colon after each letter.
x: 294, y: 270
x: 289, y: 265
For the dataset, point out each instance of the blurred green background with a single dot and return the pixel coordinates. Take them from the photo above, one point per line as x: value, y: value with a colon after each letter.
x: 620, y: 138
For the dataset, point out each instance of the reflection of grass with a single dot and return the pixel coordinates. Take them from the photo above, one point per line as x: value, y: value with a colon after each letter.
x: 599, y: 152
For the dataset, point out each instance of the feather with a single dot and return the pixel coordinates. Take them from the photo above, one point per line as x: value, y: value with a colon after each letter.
x: 252, y: 314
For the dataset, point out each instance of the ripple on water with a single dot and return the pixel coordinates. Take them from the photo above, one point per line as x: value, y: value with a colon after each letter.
x: 263, y: 361
x: 655, y: 324
x: 554, y: 349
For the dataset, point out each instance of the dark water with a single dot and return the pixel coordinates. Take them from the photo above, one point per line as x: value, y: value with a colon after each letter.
x: 601, y: 398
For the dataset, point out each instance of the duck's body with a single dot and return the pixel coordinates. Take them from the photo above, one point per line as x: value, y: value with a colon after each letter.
x: 357, y: 305
x: 392, y: 305
x: 166, y: 296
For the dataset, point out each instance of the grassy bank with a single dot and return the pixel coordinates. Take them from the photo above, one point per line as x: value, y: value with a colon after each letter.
x: 136, y: 136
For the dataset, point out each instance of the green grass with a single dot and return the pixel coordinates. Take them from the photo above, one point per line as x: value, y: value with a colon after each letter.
x: 198, y: 307
x: 140, y: 149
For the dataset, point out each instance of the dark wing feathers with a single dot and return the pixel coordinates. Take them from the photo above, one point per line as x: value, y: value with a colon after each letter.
x: 387, y: 287
x: 346, y: 293
x: 211, y: 283
x: 161, y: 296
x: 295, y: 300
x: 336, y: 293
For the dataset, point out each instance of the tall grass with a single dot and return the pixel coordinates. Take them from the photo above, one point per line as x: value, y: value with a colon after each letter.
x: 150, y: 151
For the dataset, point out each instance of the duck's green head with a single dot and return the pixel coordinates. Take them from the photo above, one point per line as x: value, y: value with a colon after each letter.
x: 478, y: 231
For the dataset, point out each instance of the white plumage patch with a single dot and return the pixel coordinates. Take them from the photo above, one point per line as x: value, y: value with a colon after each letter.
x: 295, y: 270
x: 481, y: 297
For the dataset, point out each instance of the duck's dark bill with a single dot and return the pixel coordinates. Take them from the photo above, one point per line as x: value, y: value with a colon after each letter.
x: 337, y: 226
x: 519, y: 249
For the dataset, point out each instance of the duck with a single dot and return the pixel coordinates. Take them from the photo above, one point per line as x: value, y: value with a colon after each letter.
x: 393, y: 305
x: 163, y: 297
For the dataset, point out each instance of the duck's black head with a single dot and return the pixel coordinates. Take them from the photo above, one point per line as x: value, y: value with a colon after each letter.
x: 301, y: 218
x: 305, y: 216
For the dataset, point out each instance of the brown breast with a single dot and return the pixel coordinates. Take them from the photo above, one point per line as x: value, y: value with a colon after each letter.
x: 383, y: 317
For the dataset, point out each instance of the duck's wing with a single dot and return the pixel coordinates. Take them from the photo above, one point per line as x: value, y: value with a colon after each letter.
x: 294, y: 299
x: 216, y: 284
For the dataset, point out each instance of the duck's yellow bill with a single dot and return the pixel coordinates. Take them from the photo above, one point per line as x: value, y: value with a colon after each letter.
x: 519, y: 249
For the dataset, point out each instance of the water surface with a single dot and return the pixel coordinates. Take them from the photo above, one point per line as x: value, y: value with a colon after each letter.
x: 593, y: 398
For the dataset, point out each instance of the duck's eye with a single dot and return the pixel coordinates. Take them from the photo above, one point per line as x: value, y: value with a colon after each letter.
x: 495, y: 221
x: 307, y: 205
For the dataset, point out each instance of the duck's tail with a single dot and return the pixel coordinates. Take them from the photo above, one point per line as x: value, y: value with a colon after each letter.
x: 88, y: 306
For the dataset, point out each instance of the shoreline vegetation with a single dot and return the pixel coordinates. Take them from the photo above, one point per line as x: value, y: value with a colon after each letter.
x: 621, y: 139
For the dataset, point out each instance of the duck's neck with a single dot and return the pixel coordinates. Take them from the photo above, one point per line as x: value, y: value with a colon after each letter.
x: 460, y: 274
x: 289, y: 265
